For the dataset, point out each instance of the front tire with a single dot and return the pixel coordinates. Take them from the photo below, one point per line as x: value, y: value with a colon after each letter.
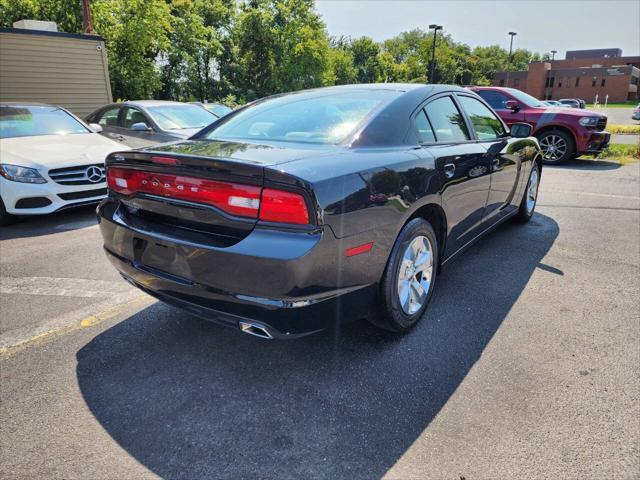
x: 530, y: 197
x: 409, y: 279
x: 557, y: 147
x: 5, y: 218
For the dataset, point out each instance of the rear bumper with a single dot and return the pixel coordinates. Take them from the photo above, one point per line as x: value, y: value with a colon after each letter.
x: 288, y: 282
x: 594, y: 143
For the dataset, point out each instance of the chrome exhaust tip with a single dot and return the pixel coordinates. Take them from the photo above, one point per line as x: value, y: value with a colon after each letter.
x: 255, y: 330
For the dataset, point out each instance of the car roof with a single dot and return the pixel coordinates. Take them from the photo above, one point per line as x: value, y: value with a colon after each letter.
x: 25, y: 104
x: 398, y: 87
x: 151, y: 103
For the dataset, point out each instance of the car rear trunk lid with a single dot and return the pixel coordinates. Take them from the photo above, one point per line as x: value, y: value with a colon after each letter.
x: 206, y: 191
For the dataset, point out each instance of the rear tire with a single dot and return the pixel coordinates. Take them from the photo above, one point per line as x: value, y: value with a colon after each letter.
x: 409, y: 279
x: 530, y: 196
x: 557, y: 147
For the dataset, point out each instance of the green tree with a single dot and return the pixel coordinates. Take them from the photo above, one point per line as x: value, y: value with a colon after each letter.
x: 340, y: 69
x: 192, y: 67
x: 365, y: 59
x: 136, y: 31
x: 282, y: 45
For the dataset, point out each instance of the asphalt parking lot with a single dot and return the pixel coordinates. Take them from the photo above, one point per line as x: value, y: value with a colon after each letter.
x: 618, y: 115
x: 527, y: 364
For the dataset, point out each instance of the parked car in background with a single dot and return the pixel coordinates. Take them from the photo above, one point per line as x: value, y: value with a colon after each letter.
x: 218, y: 109
x: 143, y: 123
x: 552, y: 103
x: 49, y: 160
x: 563, y: 133
x: 302, y: 210
x: 636, y: 113
x: 571, y: 102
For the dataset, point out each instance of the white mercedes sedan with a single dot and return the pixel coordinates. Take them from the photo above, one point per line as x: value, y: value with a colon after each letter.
x: 49, y: 160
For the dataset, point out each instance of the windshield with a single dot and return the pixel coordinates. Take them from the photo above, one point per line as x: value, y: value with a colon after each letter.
x: 525, y: 98
x: 29, y: 121
x: 318, y: 117
x: 217, y: 109
x: 181, y: 117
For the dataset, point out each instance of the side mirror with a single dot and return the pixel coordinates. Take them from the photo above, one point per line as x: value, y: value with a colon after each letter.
x: 95, y: 127
x: 140, y: 127
x: 512, y: 105
x: 521, y: 130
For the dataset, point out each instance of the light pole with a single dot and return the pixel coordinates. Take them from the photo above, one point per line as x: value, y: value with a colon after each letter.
x: 432, y: 70
x: 553, y: 55
x: 512, y: 34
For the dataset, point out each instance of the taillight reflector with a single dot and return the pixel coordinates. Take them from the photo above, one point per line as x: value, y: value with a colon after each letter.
x: 350, y: 252
x: 236, y: 199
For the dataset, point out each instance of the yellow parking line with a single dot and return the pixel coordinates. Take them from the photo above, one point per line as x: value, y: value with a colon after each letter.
x: 91, y: 320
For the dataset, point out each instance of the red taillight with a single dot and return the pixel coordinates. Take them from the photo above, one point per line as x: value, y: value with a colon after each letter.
x: 283, y: 207
x: 243, y: 200
x: 233, y: 198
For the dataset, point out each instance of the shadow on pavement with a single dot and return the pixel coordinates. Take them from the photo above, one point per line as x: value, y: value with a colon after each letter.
x: 189, y: 399
x: 586, y: 164
x: 37, y: 225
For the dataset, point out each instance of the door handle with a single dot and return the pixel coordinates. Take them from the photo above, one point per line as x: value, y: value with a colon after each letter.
x: 449, y: 170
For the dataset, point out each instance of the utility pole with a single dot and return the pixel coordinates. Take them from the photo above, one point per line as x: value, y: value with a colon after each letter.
x: 86, y: 18
x: 512, y: 34
x: 432, y: 70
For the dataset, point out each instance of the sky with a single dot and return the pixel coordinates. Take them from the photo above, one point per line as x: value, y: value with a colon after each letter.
x: 541, y: 25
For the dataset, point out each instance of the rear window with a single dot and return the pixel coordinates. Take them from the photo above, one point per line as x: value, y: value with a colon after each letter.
x: 29, y: 121
x: 325, y: 118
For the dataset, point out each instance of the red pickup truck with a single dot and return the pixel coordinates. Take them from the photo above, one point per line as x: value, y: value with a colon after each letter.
x: 563, y: 133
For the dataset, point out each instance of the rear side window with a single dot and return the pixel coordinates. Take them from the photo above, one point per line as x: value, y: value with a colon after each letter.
x: 447, y: 121
x: 484, y: 121
x: 423, y: 127
x: 497, y: 100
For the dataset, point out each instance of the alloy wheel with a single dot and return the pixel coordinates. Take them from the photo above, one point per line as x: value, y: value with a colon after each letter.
x: 414, y: 275
x: 553, y: 147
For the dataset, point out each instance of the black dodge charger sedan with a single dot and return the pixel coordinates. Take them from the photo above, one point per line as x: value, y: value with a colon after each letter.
x: 302, y: 210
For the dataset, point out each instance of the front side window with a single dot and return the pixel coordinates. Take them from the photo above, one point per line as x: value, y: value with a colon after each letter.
x: 447, y: 121
x: 109, y: 117
x: 181, y: 117
x: 132, y: 116
x: 496, y: 99
x: 484, y: 121
x: 29, y: 121
x: 317, y: 117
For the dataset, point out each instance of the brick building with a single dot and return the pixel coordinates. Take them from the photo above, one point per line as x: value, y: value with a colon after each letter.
x: 583, y: 74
